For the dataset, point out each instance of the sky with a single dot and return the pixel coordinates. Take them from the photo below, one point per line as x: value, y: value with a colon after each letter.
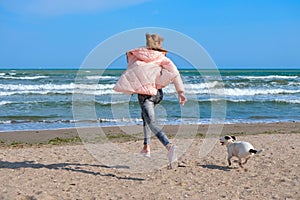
x: 235, y: 33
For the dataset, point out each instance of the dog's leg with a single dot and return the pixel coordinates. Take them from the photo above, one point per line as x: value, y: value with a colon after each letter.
x: 240, y: 163
x: 246, y: 160
x: 228, y: 159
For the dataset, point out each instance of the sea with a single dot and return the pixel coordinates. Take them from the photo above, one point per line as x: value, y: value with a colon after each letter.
x: 53, y: 99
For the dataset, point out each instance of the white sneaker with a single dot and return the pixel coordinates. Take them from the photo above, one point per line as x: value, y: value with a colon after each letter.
x: 172, y: 155
x: 145, y: 153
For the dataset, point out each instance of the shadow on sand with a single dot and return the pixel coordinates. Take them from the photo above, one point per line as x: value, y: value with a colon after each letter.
x: 223, y: 168
x: 74, y: 167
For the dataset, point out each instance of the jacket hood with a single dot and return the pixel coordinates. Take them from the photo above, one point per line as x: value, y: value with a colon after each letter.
x: 145, y: 54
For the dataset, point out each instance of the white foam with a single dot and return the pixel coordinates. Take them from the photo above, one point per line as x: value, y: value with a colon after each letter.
x: 252, y: 92
x: 101, y: 77
x: 5, y: 122
x: 264, y: 77
x: 5, y: 102
x: 25, y: 77
x: 292, y: 101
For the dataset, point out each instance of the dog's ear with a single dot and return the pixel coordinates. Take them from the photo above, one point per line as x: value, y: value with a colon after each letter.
x: 227, y: 137
x: 233, y: 137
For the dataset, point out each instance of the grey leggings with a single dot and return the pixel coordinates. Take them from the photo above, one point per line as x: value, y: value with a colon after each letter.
x: 148, y: 104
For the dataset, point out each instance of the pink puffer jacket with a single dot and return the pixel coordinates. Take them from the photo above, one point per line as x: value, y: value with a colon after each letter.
x: 147, y: 71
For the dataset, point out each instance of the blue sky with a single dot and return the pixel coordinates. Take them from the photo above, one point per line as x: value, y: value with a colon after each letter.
x: 235, y: 33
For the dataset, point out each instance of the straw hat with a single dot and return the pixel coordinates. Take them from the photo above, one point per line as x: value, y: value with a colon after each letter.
x: 154, y: 42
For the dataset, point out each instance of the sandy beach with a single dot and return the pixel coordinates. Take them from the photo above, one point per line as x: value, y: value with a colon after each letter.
x: 31, y: 168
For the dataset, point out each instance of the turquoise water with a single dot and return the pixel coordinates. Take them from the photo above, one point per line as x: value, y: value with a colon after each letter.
x: 48, y: 99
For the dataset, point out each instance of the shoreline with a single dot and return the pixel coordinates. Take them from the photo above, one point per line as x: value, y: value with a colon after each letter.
x: 44, y: 136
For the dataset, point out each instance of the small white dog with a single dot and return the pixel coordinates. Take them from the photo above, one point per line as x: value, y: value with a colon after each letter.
x: 238, y: 149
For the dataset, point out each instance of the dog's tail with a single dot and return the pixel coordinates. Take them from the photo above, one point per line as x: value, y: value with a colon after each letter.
x: 255, y: 151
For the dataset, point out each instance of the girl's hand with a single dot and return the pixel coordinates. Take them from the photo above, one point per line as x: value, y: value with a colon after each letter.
x: 181, y: 98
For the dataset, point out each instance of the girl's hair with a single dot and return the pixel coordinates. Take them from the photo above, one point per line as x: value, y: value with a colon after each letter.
x: 154, y: 41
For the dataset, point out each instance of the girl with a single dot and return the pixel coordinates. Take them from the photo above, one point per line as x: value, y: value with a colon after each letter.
x: 148, y: 71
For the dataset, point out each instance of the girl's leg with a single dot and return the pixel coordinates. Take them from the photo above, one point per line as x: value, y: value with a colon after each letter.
x: 149, y: 118
x: 148, y: 104
x: 147, y: 132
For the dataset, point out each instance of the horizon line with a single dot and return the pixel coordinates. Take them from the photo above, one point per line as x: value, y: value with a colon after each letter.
x: 179, y: 68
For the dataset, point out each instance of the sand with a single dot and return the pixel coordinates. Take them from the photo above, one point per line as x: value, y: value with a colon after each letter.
x: 92, y: 170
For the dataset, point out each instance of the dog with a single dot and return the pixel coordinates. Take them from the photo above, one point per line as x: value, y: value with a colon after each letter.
x: 238, y: 149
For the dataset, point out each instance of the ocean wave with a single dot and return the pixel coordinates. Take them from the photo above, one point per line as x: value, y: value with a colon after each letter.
x: 261, y: 77
x: 85, y: 121
x: 93, y: 86
x: 48, y: 86
x: 106, y: 122
x: 112, y: 102
x: 281, y: 101
x: 5, y: 102
x: 30, y: 92
x: 213, y: 87
x: 91, y: 89
x: 234, y: 91
x: 289, y: 101
x: 239, y: 89
x: 48, y: 103
x: 59, y: 92
x: 100, y: 103
x: 24, y: 78
x: 253, y: 92
x: 247, y: 101
x: 102, y: 78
